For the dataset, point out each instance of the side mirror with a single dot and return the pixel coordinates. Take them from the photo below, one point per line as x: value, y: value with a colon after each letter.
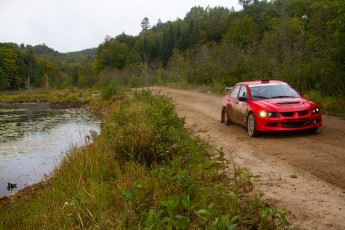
x: 242, y: 99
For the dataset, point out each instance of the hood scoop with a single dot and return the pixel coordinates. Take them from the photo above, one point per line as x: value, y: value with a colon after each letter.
x: 288, y: 102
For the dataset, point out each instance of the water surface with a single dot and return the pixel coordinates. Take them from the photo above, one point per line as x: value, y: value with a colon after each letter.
x: 34, y: 138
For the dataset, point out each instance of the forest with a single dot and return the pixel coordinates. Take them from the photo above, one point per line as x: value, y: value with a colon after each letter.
x: 297, y: 41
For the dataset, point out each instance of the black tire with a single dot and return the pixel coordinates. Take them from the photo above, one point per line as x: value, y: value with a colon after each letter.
x: 222, y: 116
x: 251, y: 126
x: 225, y: 118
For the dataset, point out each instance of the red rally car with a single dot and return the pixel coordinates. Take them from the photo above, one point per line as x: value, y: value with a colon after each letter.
x: 269, y: 106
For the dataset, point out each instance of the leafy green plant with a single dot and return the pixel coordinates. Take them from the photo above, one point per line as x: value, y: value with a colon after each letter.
x: 243, y: 179
x: 109, y: 90
x: 172, y: 220
x: 147, y: 130
x: 226, y: 222
x: 278, y: 217
x: 133, y: 196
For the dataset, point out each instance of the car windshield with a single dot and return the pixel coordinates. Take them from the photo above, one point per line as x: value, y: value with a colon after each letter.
x: 267, y: 91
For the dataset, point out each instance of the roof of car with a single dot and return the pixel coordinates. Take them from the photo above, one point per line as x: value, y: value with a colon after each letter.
x: 261, y: 82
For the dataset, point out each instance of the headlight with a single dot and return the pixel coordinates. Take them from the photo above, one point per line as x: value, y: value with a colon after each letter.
x: 268, y: 114
x: 315, y: 110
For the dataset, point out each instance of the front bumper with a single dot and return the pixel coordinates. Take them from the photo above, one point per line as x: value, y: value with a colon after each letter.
x: 288, y: 124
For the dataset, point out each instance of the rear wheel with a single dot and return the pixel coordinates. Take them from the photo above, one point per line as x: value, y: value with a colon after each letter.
x: 225, y: 118
x: 251, y: 126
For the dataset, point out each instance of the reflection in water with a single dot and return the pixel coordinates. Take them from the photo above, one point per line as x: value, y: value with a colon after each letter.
x: 33, y: 138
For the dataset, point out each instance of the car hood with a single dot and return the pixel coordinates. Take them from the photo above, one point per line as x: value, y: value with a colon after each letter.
x: 285, y: 104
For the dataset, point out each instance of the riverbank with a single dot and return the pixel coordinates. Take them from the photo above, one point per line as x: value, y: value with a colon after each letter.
x: 145, y: 170
x: 65, y: 98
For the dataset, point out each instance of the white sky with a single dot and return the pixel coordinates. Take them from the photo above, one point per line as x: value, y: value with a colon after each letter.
x: 74, y: 25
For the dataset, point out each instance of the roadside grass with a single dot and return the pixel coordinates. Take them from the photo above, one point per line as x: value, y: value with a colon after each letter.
x: 144, y: 171
x: 328, y: 105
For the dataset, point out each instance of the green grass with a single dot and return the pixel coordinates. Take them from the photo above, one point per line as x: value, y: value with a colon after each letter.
x: 144, y: 171
x: 55, y: 97
x: 328, y: 105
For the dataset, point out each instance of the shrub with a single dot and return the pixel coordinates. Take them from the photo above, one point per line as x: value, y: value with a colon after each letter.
x: 109, y: 90
x: 146, y: 130
x: 328, y: 104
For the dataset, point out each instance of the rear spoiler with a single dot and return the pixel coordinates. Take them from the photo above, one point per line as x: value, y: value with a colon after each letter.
x: 227, y: 89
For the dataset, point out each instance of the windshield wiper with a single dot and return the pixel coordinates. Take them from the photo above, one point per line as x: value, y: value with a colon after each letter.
x: 282, y: 96
x: 261, y: 97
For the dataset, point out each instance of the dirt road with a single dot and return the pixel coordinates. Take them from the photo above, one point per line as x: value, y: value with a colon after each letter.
x: 302, y: 172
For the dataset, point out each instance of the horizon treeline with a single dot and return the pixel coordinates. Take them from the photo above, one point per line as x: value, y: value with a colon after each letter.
x: 39, y: 66
x: 298, y: 41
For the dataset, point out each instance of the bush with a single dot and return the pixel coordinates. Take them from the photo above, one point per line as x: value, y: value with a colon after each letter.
x: 109, y: 90
x: 328, y: 104
x: 146, y: 130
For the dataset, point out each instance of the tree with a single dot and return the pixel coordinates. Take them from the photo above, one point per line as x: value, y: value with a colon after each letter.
x: 9, y: 67
x: 50, y: 75
x: 146, y: 46
x: 158, y: 26
x: 107, y: 38
x: 216, y: 24
x: 145, y: 25
x: 168, y: 44
x: 266, y: 39
x: 4, y: 83
x: 128, y: 39
x: 244, y: 33
x: 111, y: 55
x: 28, y: 85
x: 245, y: 3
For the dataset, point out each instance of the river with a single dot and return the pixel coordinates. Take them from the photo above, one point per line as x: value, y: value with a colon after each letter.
x: 34, y: 139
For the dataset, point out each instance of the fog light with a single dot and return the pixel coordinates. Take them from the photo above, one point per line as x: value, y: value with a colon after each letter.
x: 314, y: 122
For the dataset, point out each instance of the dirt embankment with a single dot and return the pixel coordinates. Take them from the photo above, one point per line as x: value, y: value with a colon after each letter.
x: 302, y: 172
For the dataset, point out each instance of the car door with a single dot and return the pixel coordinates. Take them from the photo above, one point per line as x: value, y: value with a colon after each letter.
x: 232, y: 103
x: 241, y: 106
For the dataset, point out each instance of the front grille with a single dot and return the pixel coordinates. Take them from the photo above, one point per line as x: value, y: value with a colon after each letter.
x: 303, y: 113
x: 291, y: 114
x: 295, y: 124
x: 287, y: 114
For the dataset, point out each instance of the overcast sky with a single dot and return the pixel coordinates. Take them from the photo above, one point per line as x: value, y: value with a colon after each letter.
x: 74, y: 25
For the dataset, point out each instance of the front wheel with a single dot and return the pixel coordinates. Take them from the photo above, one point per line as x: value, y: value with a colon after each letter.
x: 251, y: 126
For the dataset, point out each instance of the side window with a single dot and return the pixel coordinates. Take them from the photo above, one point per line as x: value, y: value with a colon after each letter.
x: 234, y: 92
x: 243, y: 92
